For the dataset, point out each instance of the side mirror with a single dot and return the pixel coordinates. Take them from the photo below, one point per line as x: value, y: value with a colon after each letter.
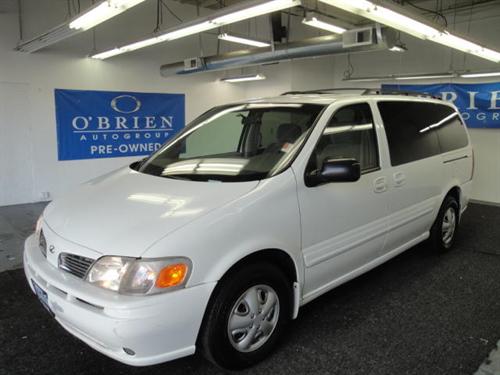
x: 335, y: 170
x: 137, y: 164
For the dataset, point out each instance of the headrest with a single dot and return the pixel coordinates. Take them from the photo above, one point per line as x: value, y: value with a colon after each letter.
x: 288, y: 133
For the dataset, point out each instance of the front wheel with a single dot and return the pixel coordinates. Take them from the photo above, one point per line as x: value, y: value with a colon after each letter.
x: 246, y: 316
x: 444, y: 229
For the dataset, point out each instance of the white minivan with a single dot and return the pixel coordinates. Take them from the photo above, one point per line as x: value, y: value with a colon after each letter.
x: 215, y: 241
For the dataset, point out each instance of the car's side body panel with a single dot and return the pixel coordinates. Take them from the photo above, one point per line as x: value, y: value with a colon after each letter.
x: 348, y: 229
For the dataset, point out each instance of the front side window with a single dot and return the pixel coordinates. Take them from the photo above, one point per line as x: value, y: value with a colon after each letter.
x: 350, y: 134
x: 236, y: 143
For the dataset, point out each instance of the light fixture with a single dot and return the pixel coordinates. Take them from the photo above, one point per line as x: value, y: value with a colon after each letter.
x: 172, y: 35
x: 253, y: 10
x: 466, y: 46
x: 408, y: 77
x: 368, y: 79
x: 101, y: 12
x: 385, y: 16
x: 480, y: 75
x: 97, y: 14
x: 185, y: 31
x: 424, y: 76
x: 46, y: 39
x: 314, y: 20
x: 224, y: 16
x: 241, y: 40
x: 244, y: 78
x: 407, y: 24
x: 398, y: 48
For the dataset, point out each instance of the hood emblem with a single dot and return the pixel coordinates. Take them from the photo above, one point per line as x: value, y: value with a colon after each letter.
x: 52, y: 249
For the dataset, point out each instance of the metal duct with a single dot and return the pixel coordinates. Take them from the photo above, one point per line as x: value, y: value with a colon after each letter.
x: 383, y: 38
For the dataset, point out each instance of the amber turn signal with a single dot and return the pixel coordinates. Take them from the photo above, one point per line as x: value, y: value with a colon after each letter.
x: 172, y: 275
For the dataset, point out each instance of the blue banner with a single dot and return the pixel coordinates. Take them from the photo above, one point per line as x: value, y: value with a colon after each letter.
x: 478, y: 103
x: 108, y: 124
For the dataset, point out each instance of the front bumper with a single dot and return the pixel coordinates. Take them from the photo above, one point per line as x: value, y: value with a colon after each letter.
x: 157, y: 328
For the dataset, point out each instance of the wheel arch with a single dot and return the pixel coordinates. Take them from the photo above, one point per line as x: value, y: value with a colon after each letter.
x: 279, y: 258
x: 452, y: 190
x: 456, y: 193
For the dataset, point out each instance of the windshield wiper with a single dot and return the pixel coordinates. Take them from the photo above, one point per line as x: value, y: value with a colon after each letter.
x: 178, y: 177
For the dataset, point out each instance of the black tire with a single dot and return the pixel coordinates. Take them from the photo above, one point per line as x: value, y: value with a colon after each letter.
x: 437, y: 237
x: 214, y: 340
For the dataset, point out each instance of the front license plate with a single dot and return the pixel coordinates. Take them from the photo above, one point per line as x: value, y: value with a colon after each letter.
x: 42, y: 296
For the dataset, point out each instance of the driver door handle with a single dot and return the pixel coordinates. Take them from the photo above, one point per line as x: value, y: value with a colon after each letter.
x: 399, y: 179
x: 380, y: 184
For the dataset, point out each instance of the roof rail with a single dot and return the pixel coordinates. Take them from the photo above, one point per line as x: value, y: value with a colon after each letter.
x: 326, y: 91
x: 364, y: 91
x: 399, y: 92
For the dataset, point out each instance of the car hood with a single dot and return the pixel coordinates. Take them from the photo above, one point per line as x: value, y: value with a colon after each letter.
x: 125, y: 212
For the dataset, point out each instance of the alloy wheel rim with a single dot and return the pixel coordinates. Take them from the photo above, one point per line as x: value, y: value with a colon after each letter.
x: 253, y: 318
x: 448, y: 226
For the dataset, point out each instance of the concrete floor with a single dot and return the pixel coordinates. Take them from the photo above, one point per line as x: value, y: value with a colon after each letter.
x: 420, y: 313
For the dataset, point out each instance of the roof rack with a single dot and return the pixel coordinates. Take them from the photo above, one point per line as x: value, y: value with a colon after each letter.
x: 326, y: 91
x: 399, y: 92
x: 364, y: 91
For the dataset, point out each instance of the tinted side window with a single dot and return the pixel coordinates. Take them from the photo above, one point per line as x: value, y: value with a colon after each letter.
x: 410, y: 129
x: 451, y: 133
x: 350, y: 133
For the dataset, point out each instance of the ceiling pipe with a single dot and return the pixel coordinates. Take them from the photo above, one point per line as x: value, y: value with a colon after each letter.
x: 383, y: 38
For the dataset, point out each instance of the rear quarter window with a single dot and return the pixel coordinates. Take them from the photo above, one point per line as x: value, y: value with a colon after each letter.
x: 417, y: 130
x: 452, y: 134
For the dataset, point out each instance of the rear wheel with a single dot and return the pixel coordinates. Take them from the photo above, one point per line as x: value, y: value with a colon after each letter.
x: 246, y: 316
x: 444, y: 229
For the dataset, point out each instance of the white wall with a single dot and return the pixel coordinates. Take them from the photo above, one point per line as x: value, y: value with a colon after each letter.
x: 64, y: 66
x: 28, y: 142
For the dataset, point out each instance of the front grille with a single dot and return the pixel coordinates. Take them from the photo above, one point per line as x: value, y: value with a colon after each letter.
x: 75, y: 264
x: 42, y: 243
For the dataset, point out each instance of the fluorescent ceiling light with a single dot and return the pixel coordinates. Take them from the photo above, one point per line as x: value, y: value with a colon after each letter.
x: 313, y: 20
x: 409, y: 25
x: 46, y: 39
x: 385, y: 16
x: 480, y: 75
x: 186, y: 31
x: 368, y: 79
x: 246, y: 78
x: 398, y: 48
x: 90, y: 18
x: 240, y: 40
x: 102, y: 12
x: 254, y: 11
x: 466, y: 46
x: 425, y: 76
x: 224, y: 16
x: 176, y: 34
x: 105, y: 55
x: 401, y: 77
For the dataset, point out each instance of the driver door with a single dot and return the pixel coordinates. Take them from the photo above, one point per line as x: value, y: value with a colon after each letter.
x: 343, y: 223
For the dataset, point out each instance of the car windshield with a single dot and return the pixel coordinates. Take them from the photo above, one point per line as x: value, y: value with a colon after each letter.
x: 242, y: 142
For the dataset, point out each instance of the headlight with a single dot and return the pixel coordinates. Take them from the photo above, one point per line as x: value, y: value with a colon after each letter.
x: 140, y: 276
x: 42, y: 242
x: 38, y: 225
